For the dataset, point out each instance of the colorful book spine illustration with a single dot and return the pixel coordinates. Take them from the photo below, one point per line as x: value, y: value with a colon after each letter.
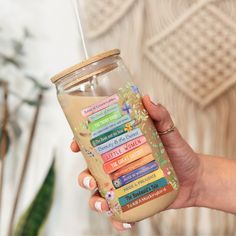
x: 112, y: 134
x: 124, y: 148
x: 115, y: 142
x: 139, y: 183
x: 100, y: 106
x: 160, y: 183
x: 100, y: 114
x: 132, y: 166
x: 124, y: 119
x: 126, y: 154
x: 127, y: 158
x: 148, y: 197
x: 98, y: 124
x: 141, y: 171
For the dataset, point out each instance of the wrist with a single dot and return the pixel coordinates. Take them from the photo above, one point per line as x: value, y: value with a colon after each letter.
x: 197, y: 193
x: 190, y: 186
x: 214, y: 187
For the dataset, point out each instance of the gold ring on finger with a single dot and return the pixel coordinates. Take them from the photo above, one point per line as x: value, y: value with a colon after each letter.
x: 172, y: 128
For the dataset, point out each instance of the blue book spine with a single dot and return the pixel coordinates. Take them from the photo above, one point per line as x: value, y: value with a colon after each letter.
x: 138, y: 173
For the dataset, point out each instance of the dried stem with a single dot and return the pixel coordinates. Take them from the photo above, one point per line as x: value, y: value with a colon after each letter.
x: 25, y: 164
x: 3, y: 141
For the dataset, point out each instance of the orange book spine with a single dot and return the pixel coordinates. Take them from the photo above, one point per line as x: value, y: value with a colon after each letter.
x: 132, y: 166
x: 127, y: 158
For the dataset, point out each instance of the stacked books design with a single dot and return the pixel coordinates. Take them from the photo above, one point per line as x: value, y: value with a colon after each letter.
x: 126, y: 154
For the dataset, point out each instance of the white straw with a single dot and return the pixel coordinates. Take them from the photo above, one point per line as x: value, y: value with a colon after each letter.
x: 77, y: 15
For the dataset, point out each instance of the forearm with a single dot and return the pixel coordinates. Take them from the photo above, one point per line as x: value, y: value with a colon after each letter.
x: 216, y: 186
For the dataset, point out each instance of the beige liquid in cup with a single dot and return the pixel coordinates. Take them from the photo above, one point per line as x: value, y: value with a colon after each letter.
x: 138, y: 200
x: 118, y: 140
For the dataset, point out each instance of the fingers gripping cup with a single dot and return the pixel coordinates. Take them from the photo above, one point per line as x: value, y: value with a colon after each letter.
x: 117, y: 137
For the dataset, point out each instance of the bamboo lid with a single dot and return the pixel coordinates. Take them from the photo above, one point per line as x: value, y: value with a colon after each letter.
x: 89, y: 76
x: 91, y: 60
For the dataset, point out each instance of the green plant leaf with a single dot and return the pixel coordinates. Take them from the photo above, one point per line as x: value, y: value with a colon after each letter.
x: 11, y: 60
x: 27, y: 33
x: 33, y: 219
x: 30, y: 102
x: 18, y: 47
x: 36, y: 83
x: 2, y: 142
x: 27, y: 101
x: 15, y: 127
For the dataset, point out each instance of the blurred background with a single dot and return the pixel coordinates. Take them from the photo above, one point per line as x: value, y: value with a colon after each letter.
x: 39, y: 39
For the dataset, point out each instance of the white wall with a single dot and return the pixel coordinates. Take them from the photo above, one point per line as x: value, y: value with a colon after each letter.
x: 56, y: 45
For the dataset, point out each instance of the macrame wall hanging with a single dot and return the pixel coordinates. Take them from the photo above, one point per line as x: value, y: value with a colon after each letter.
x: 183, y: 54
x: 198, y: 53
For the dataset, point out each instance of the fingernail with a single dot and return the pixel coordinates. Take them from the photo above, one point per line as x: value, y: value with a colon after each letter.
x: 108, y: 213
x: 86, y: 182
x: 94, y: 190
x: 127, y: 226
x: 98, y: 206
x: 154, y: 101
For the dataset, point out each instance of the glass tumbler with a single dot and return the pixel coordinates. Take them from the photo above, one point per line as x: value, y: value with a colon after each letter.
x: 116, y: 136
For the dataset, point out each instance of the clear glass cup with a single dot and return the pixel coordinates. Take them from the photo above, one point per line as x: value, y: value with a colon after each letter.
x: 117, y: 137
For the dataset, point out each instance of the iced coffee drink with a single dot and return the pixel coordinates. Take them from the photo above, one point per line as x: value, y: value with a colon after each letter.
x: 117, y: 137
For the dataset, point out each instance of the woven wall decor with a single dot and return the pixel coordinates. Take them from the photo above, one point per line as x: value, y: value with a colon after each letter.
x: 197, y: 53
x: 210, y: 130
x: 101, y: 15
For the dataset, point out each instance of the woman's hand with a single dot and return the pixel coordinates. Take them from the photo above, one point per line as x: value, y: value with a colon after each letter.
x: 187, y: 164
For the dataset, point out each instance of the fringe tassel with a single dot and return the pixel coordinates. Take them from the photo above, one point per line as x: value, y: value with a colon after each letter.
x: 211, y: 131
